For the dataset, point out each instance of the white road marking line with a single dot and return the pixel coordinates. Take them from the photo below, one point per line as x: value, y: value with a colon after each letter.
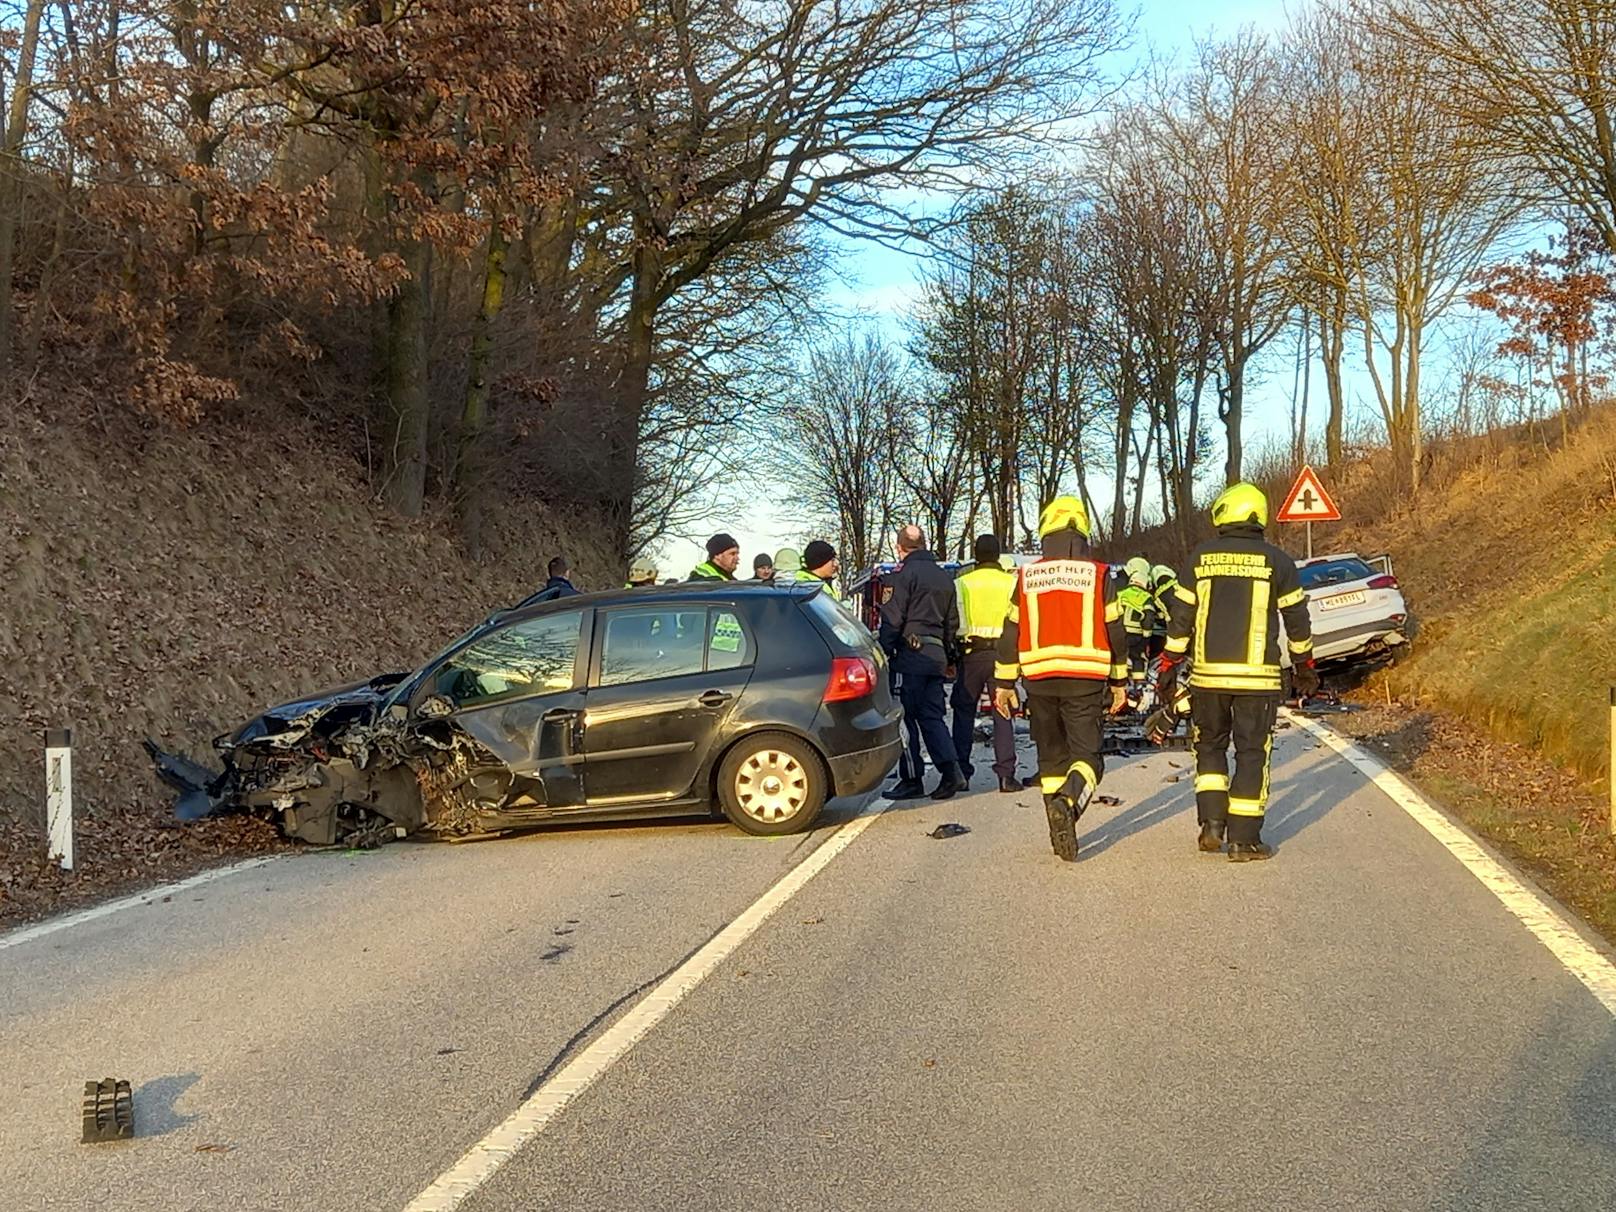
x: 1579, y: 957
x: 28, y: 934
x: 533, y: 1116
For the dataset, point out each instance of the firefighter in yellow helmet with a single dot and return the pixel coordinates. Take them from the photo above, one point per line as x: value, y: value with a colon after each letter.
x: 1225, y: 617
x: 1138, y: 620
x: 1063, y: 635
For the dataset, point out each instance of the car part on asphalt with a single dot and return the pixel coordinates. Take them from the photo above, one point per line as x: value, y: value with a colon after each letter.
x: 951, y: 829
x: 109, y: 1111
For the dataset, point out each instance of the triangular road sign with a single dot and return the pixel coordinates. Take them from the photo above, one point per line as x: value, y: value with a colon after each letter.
x: 1308, y: 502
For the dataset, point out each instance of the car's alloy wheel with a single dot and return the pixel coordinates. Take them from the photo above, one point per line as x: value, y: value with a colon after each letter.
x: 772, y: 783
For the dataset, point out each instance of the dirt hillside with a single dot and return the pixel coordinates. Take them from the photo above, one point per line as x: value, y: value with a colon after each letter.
x: 1510, y: 567
x: 169, y: 584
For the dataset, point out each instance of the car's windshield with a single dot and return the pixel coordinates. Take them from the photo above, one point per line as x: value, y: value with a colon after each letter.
x: 1334, y: 572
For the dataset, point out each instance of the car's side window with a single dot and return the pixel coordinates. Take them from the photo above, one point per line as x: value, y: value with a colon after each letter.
x: 651, y: 642
x: 535, y: 656
x: 728, y: 644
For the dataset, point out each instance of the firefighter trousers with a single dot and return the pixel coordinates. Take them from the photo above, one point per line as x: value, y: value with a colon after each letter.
x: 1138, y: 661
x: 1066, y: 729
x: 974, y: 673
x: 1216, y: 719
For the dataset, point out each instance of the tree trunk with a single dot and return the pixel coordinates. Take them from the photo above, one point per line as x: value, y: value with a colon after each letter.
x: 622, y: 437
x: 470, y: 474
x: 406, y: 386
x: 1234, y: 409
x: 47, y: 272
x: 11, y: 173
x: 1332, y: 347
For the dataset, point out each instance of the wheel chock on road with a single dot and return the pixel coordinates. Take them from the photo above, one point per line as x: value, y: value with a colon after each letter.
x: 109, y: 1111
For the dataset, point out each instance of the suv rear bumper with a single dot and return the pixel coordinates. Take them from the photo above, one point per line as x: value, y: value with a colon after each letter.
x: 856, y: 773
x: 1349, y: 641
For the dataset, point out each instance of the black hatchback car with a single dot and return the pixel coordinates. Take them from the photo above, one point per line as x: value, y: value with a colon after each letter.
x: 661, y: 701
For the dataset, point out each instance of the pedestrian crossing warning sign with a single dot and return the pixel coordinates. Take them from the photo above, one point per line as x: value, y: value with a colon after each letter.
x: 1307, y: 501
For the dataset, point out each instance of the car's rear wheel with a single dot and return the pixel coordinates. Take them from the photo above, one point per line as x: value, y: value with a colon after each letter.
x: 771, y: 783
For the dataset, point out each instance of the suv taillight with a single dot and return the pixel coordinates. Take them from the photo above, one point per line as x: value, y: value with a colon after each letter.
x: 1384, y: 582
x: 850, y: 678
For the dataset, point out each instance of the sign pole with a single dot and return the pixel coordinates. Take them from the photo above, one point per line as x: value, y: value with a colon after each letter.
x: 1310, y: 540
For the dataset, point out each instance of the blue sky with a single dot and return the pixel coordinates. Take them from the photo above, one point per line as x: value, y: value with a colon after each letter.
x: 880, y: 284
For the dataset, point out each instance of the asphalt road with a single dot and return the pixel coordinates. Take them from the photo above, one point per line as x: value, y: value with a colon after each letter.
x: 927, y: 1024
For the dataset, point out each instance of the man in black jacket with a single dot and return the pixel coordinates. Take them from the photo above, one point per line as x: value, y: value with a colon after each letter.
x: 1225, y: 610
x: 919, y: 627
x: 558, y: 586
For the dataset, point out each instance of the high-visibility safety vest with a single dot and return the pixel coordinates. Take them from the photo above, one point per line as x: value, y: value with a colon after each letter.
x: 1061, y: 617
x: 1136, y: 605
x: 803, y: 577
x: 984, y: 600
x: 708, y: 571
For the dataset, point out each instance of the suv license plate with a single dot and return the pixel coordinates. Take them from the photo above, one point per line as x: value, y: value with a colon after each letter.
x: 1355, y: 598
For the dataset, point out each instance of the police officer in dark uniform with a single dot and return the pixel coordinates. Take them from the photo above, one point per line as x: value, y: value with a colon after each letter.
x: 919, y: 626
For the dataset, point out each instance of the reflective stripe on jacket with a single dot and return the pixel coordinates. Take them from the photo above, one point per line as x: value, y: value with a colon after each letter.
x: 984, y: 599
x: 1226, y: 610
x: 1064, y: 622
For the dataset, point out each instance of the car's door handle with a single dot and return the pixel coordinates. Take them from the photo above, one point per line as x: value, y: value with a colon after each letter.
x: 559, y: 715
x: 715, y: 698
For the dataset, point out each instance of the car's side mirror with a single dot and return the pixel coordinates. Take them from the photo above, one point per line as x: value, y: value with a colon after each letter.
x: 434, y: 707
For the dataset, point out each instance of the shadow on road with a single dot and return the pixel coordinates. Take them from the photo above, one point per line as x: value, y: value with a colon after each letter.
x: 156, y: 1110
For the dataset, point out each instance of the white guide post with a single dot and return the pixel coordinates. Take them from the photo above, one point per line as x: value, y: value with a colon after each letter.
x: 59, y: 795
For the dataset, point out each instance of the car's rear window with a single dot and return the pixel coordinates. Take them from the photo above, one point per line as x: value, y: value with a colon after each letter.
x: 1334, y: 572
x: 846, y: 633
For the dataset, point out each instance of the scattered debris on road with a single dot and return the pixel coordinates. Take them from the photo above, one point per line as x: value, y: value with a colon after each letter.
x: 109, y: 1110
x: 1109, y: 800
x: 951, y: 829
x: 212, y: 1147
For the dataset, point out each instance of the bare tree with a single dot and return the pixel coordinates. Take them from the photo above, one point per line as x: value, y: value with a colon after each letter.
x: 1227, y: 148
x: 1534, y: 77
x: 839, y: 427
x: 1439, y: 204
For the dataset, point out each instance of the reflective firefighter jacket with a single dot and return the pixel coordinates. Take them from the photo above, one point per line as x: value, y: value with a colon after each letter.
x: 1162, y: 596
x: 1063, y: 622
x: 1138, y: 609
x: 1226, y: 610
x: 984, y: 599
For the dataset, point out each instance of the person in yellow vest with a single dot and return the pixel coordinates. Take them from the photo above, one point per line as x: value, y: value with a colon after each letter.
x: 820, y: 566
x: 983, y: 592
x: 1063, y: 634
x: 1138, y: 618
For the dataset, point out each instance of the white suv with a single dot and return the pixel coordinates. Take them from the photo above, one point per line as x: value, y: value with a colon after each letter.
x: 1356, y: 608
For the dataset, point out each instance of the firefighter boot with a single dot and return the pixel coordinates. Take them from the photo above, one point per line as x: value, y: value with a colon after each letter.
x: 1211, y: 839
x: 1062, y: 827
x: 1249, y: 852
x: 905, y: 789
x: 951, y: 782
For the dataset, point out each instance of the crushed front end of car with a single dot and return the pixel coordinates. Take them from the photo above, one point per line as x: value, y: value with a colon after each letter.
x: 339, y: 768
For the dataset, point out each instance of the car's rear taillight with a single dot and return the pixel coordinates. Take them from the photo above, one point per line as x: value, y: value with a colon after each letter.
x: 850, y: 678
x: 1383, y: 582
